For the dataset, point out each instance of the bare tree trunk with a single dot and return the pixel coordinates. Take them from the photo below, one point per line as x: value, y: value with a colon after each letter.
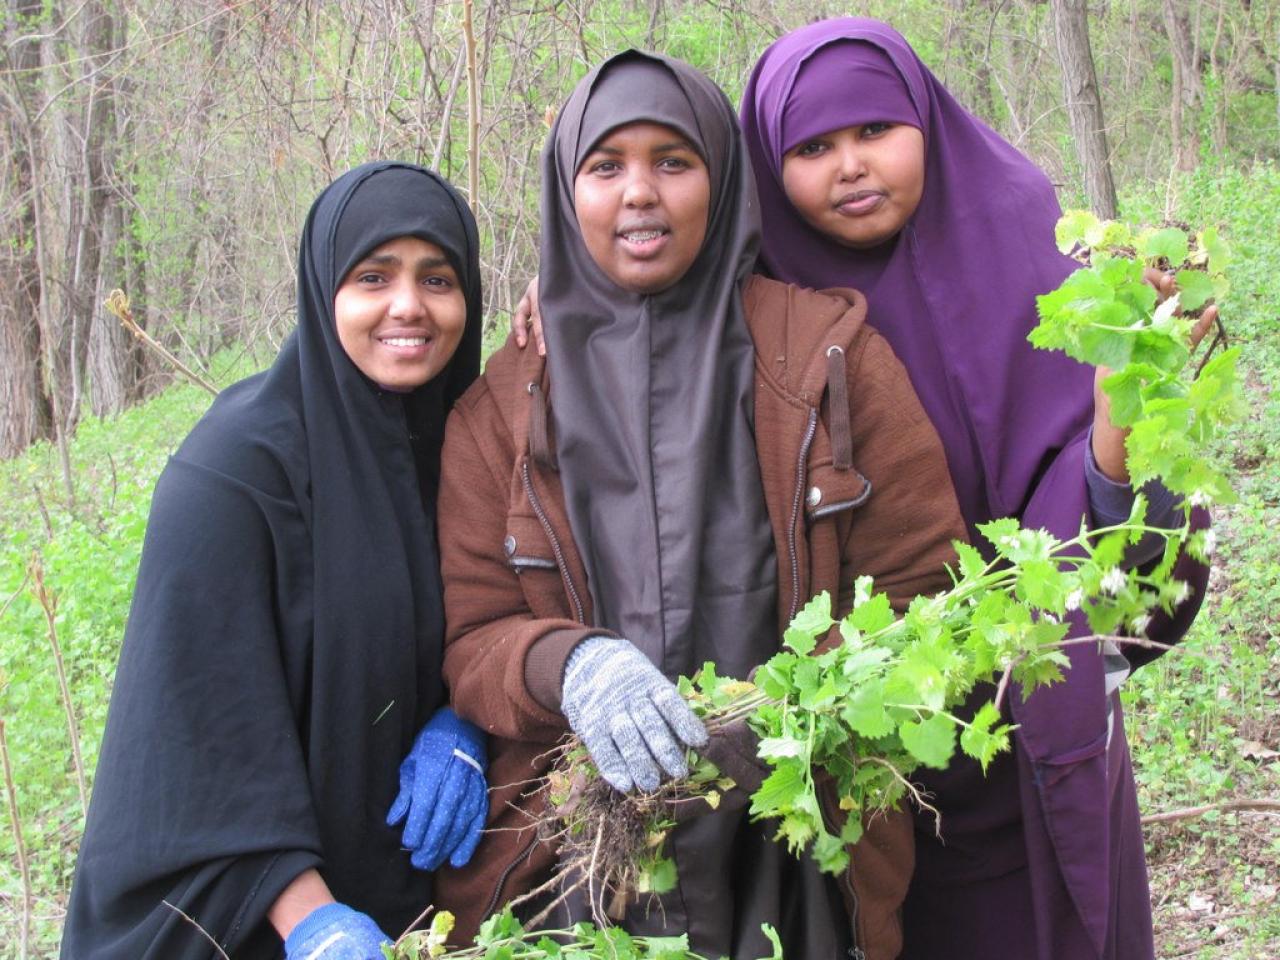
x: 1187, y: 87
x: 110, y: 354
x: 1084, y: 106
x: 24, y: 407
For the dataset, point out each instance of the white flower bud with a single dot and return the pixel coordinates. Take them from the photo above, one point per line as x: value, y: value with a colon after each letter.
x: 1114, y: 581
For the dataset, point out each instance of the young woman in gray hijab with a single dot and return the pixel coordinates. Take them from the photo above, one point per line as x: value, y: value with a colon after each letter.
x: 698, y: 454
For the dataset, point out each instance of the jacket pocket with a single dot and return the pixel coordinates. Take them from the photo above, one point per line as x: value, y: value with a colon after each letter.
x: 526, y: 546
x: 830, y: 491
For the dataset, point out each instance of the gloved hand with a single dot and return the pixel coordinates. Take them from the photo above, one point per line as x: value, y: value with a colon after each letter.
x: 335, y: 932
x: 629, y: 716
x: 732, y: 748
x: 442, y: 792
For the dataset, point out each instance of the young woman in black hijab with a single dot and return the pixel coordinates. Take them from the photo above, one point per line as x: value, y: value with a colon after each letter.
x: 283, y: 648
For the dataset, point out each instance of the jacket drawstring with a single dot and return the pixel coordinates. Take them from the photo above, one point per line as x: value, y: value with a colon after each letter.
x: 838, y: 415
x: 539, y: 443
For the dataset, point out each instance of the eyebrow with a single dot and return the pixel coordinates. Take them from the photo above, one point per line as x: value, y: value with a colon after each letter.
x: 660, y: 148
x: 386, y: 259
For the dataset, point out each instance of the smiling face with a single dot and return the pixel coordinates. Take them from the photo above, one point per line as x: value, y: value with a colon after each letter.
x: 857, y: 185
x: 642, y: 197
x: 400, y: 313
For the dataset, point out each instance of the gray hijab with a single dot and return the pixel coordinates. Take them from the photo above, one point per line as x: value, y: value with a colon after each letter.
x: 652, y: 407
x: 651, y: 395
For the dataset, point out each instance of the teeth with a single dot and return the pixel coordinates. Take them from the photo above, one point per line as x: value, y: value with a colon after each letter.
x: 642, y: 236
x: 405, y: 341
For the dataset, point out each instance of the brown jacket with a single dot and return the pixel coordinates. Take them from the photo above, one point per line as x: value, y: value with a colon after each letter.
x: 862, y: 492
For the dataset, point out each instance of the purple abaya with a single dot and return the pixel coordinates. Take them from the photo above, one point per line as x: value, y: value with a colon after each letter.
x: 1044, y: 858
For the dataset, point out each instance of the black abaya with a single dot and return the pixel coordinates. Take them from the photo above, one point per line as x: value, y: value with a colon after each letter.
x: 283, y: 647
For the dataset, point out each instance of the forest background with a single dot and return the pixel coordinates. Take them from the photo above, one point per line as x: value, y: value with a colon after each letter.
x: 171, y: 150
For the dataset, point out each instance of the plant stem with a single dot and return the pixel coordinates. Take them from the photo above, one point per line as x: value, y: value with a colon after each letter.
x: 49, y: 603
x: 19, y: 847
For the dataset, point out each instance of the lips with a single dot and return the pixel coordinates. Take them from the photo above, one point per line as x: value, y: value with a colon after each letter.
x: 861, y: 202
x: 410, y: 342
x: 644, y: 237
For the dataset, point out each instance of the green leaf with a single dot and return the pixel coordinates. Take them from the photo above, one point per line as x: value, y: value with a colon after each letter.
x: 830, y: 854
x: 1195, y: 288
x: 706, y: 679
x: 1169, y: 244
x: 1000, y: 533
x: 660, y: 877
x: 1037, y: 671
x: 776, y: 747
x: 972, y: 565
x: 864, y: 712
x: 873, y: 615
x: 1072, y: 229
x: 812, y: 622
x: 932, y: 741
x: 1041, y: 584
x: 1126, y: 387
x: 774, y: 676
x: 772, y: 936
x: 780, y: 792
x: 983, y: 739
x: 1212, y: 250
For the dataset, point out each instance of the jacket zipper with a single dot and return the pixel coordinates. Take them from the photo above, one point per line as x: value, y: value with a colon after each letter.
x: 581, y: 617
x: 855, y: 952
x: 502, y: 878
x: 555, y: 542
x: 802, y: 463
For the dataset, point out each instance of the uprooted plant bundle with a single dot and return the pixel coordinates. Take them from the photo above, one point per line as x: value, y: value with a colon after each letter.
x: 855, y: 705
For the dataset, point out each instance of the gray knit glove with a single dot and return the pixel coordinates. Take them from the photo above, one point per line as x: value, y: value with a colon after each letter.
x: 628, y: 715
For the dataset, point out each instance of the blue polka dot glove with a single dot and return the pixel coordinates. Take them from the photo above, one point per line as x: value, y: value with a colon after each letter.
x: 443, y: 795
x: 335, y: 932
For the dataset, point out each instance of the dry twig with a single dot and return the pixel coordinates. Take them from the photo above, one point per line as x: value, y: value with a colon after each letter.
x: 1189, y: 813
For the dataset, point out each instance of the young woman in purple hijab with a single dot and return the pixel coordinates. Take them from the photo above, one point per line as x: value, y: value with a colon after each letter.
x: 871, y: 175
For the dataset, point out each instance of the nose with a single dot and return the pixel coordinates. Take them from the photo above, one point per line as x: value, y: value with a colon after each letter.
x: 640, y: 191
x: 407, y: 300
x: 852, y: 164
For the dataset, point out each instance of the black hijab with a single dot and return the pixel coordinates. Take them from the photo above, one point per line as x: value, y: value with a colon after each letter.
x: 284, y: 642
x: 651, y: 395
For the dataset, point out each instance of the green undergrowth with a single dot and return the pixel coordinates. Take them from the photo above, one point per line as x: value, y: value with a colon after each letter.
x: 1204, y: 722
x: 89, y: 554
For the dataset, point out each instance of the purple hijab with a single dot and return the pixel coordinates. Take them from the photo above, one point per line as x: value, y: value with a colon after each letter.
x: 954, y: 293
x: 1004, y: 409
